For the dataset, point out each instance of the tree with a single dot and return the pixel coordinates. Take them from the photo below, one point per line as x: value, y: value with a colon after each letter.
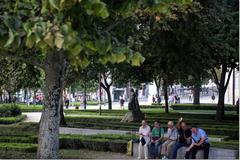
x: 222, y: 37
x: 105, y: 84
x: 17, y: 75
x: 52, y: 34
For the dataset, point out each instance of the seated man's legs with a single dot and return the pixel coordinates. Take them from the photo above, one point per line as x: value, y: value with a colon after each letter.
x: 164, y: 147
x: 205, y: 147
x: 206, y: 150
x: 169, y: 148
x: 194, y: 150
x: 176, y: 147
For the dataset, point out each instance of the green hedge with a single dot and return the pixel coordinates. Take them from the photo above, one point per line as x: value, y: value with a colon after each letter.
x: 11, y: 120
x: 21, y: 129
x: 23, y: 107
x: 151, y: 106
x: 9, y: 110
x: 201, y: 107
x: 31, y: 108
x: 113, y: 143
x: 22, y: 147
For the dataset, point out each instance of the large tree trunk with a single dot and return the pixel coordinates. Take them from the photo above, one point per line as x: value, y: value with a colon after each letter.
x: 109, y: 98
x: 196, y: 94
x: 48, y: 141
x: 220, y: 105
x: 165, y: 89
x: 222, y: 87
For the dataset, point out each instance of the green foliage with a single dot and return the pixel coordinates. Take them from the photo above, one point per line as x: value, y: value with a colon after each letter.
x: 10, y: 110
x: 15, y: 75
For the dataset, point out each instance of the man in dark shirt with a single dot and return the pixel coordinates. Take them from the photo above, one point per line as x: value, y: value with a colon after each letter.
x: 184, y: 138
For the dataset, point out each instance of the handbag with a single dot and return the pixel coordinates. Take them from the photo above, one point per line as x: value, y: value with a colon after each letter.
x: 143, y: 141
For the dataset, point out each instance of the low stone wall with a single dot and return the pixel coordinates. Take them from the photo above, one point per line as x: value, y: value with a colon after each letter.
x: 214, y: 153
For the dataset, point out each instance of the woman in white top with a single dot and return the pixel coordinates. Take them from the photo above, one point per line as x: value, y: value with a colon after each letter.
x: 144, y: 132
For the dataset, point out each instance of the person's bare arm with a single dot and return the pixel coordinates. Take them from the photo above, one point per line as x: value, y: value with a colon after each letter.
x: 178, y: 123
x: 202, y: 140
x: 190, y: 147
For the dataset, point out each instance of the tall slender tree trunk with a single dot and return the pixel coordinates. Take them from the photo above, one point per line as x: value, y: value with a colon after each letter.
x: 9, y: 97
x: 62, y: 118
x: 158, y: 94
x: 158, y: 83
x: 196, y: 94
x: 85, y: 96
x: 34, y: 96
x: 220, y: 105
x: 109, y: 98
x: 165, y: 90
x: 48, y: 141
x: 222, y: 87
x: 25, y: 95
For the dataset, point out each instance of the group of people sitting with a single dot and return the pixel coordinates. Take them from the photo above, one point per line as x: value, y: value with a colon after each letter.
x: 165, y: 146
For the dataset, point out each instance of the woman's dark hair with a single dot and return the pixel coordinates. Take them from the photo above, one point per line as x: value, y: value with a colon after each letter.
x: 157, y: 121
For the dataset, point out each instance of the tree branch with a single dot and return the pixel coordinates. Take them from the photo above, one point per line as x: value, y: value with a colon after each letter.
x: 116, y: 23
x: 103, y: 86
x: 215, y: 78
x: 228, y: 79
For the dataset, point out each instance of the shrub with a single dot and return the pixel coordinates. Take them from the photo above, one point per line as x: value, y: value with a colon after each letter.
x: 9, y: 110
x: 22, y: 147
x: 11, y: 120
x: 71, y: 142
x: 118, y: 146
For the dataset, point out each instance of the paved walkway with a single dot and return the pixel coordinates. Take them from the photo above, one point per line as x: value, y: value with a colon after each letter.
x: 32, y: 116
x: 81, y: 131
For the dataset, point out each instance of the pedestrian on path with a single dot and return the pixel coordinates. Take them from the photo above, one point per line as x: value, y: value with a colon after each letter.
x: 122, y: 102
x: 213, y: 98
